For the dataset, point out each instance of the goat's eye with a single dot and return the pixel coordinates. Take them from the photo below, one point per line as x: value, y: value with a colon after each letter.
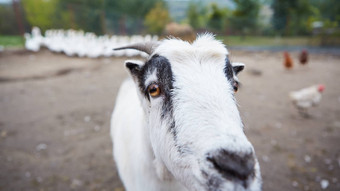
x: 154, y: 90
x: 235, y: 86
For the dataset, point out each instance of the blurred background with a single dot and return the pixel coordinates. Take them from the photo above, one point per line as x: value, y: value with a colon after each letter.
x: 59, y: 78
x: 262, y: 22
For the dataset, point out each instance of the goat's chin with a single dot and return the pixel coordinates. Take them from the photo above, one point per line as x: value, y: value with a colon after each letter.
x: 235, y: 187
x: 214, y: 181
x: 218, y: 183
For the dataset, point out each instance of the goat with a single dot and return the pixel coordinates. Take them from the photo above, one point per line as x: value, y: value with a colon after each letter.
x: 176, y: 125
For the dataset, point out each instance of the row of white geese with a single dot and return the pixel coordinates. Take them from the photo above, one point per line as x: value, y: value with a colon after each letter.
x: 78, y: 43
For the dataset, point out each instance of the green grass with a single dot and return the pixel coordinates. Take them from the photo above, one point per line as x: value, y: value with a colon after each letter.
x: 12, y: 41
x: 269, y: 41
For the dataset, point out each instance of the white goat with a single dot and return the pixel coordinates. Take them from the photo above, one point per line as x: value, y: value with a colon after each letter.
x: 176, y: 125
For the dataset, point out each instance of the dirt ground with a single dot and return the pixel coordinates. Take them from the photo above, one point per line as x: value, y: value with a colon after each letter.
x: 55, y: 114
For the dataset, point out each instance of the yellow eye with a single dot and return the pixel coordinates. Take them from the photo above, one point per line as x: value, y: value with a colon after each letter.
x: 154, y: 90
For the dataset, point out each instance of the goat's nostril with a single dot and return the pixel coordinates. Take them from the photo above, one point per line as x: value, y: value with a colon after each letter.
x: 232, y: 165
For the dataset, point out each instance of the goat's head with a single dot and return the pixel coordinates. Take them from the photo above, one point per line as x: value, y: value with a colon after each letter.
x: 194, y: 126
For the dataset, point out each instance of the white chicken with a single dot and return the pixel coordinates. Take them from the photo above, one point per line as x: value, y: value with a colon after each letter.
x: 306, y: 98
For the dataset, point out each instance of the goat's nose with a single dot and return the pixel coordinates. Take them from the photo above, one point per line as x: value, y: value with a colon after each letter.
x: 233, y: 165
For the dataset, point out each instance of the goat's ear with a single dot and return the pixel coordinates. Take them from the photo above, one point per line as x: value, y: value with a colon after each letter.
x: 237, y: 67
x: 134, y: 66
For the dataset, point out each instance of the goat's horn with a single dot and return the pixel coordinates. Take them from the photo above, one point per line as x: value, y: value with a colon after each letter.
x: 147, y: 47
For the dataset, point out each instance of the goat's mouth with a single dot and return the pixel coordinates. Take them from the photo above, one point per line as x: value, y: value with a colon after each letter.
x: 219, y: 182
x: 229, y: 171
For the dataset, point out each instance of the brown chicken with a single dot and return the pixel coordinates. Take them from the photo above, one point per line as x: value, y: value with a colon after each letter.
x: 303, y: 58
x: 288, y: 62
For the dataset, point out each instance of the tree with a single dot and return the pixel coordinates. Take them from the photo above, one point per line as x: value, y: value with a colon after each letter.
x: 7, y: 21
x: 197, y: 15
x: 291, y: 16
x: 299, y: 23
x: 329, y: 9
x: 128, y: 15
x: 281, y: 12
x: 193, y: 15
x: 40, y: 12
x: 245, y: 17
x: 157, y: 18
x: 217, y: 18
x: 47, y: 14
x: 87, y: 15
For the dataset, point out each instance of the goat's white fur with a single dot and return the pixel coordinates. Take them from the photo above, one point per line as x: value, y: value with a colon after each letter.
x: 206, y: 118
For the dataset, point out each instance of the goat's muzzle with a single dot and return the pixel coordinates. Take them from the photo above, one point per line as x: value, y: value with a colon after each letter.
x: 236, y: 167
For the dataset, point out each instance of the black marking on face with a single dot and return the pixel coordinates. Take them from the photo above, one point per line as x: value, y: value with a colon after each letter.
x: 182, y: 149
x: 173, y: 130
x: 229, y: 71
x: 165, y: 80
